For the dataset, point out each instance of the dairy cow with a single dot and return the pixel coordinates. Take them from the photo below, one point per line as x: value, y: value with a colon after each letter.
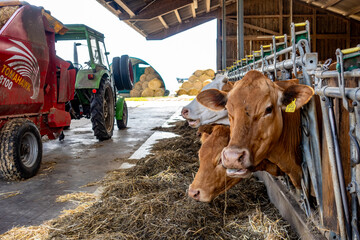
x: 264, y: 123
x: 197, y: 115
x: 211, y: 179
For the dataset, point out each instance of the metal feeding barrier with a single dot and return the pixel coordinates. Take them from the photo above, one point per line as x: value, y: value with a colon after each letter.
x: 278, y: 61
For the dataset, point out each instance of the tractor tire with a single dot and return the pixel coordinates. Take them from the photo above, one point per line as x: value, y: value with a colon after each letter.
x: 102, y: 111
x: 20, y: 149
x: 117, y: 74
x: 126, y: 71
x: 122, y: 124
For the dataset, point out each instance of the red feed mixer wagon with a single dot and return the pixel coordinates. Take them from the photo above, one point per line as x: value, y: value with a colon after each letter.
x: 35, y: 84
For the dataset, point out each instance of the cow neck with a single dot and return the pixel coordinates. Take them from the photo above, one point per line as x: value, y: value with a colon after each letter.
x: 287, y: 149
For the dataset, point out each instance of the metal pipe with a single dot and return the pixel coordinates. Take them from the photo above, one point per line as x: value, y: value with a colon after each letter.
x: 354, y: 158
x: 334, y: 74
x: 240, y: 29
x: 223, y: 34
x: 334, y: 175
x: 334, y: 92
x: 339, y: 167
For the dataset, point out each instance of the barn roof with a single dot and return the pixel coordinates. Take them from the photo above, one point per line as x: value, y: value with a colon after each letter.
x: 158, y: 19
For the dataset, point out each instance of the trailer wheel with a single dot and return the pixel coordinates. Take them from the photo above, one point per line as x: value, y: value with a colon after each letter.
x: 102, y: 111
x: 121, y: 124
x: 126, y: 71
x: 20, y: 149
x: 116, y: 73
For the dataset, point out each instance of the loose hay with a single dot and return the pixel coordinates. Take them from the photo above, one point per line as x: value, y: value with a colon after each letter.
x: 150, y: 201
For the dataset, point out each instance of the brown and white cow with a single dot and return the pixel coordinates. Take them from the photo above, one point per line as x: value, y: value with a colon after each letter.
x: 197, y: 115
x: 211, y: 179
x: 259, y: 124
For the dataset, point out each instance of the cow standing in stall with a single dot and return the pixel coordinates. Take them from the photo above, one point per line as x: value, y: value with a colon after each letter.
x: 210, y: 181
x: 264, y: 123
x: 197, y: 115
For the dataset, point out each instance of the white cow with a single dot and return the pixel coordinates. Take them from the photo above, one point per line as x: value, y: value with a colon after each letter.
x: 197, y: 115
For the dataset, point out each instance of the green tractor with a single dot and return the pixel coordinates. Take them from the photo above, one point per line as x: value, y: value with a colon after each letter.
x: 96, y: 85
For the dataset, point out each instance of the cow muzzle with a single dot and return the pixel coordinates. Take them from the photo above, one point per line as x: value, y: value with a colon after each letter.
x: 198, y: 194
x: 185, y: 112
x: 236, y: 161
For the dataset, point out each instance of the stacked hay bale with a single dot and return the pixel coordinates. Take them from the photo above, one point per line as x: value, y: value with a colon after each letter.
x: 150, y: 85
x: 196, y: 82
x: 6, y: 13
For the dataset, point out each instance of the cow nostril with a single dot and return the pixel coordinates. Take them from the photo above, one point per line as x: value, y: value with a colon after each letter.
x: 185, y: 112
x: 242, y: 156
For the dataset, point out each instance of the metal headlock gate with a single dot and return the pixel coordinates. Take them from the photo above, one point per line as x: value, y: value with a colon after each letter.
x: 281, y: 62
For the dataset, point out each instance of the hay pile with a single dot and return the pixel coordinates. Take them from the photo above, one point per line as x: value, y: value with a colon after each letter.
x: 6, y: 13
x: 196, y: 82
x: 150, y: 85
x: 150, y: 201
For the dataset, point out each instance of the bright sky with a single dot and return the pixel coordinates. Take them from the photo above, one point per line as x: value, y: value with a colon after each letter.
x: 176, y: 56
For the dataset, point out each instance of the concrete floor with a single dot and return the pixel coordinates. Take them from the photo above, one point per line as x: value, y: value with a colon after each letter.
x: 78, y: 160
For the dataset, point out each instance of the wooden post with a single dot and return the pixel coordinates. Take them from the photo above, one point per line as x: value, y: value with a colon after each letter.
x: 313, y: 40
x: 281, y: 20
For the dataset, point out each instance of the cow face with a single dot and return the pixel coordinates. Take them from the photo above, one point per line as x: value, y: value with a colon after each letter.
x: 211, y: 179
x: 255, y: 106
x: 197, y: 115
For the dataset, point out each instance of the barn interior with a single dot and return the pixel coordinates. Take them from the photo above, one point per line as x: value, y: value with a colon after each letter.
x: 334, y: 23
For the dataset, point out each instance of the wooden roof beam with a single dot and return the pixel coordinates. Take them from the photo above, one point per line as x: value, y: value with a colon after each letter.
x: 163, y: 22
x: 352, y: 11
x: 125, y: 7
x: 330, y: 3
x: 182, y: 27
x: 177, y: 16
x: 207, y: 4
x: 153, y: 10
x: 247, y: 25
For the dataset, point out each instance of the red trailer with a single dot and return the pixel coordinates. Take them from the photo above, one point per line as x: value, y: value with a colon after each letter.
x: 35, y: 84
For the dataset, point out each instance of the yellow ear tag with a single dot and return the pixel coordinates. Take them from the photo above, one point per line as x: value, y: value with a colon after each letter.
x: 291, y: 107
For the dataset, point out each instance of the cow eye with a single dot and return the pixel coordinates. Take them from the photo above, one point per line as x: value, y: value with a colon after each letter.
x: 268, y: 110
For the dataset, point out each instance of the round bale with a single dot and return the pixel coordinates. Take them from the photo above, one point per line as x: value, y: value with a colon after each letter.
x: 181, y: 91
x: 149, y: 70
x: 193, y: 92
x: 143, y: 78
x: 198, y: 73
x: 193, y: 78
x: 144, y: 85
x: 138, y: 86
x: 150, y: 76
x: 198, y: 85
x: 187, y: 85
x: 204, y: 77
x: 147, y: 93
x: 155, y: 84
x: 210, y: 73
x: 159, y: 92
x: 135, y: 93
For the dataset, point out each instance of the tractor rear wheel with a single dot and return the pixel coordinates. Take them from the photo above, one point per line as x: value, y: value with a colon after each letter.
x: 123, y: 122
x: 20, y: 149
x: 126, y: 71
x: 102, y: 111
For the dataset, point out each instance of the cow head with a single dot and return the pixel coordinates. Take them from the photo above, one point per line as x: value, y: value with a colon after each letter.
x: 211, y: 179
x: 198, y: 115
x: 255, y: 106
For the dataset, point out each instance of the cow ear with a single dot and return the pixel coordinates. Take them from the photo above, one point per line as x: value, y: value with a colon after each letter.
x: 213, y: 99
x: 295, y: 96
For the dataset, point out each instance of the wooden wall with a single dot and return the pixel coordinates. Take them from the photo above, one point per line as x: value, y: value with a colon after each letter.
x: 263, y: 19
